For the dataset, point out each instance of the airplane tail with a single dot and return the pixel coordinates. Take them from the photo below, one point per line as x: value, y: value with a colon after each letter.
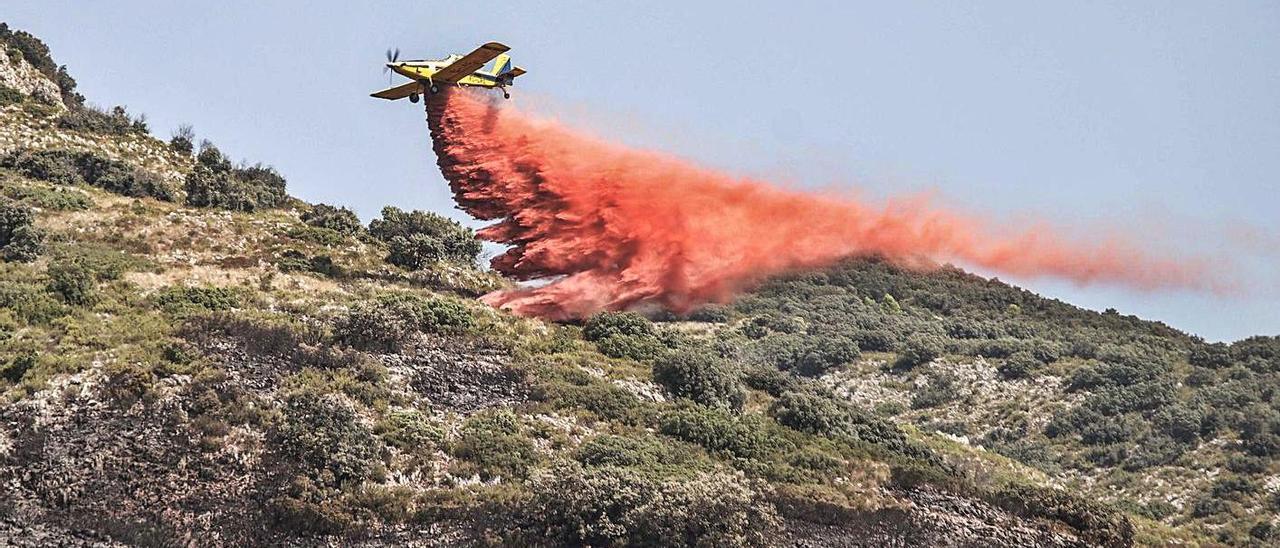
x: 501, y: 64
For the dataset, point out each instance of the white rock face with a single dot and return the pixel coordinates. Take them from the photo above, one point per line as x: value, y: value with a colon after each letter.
x: 20, y: 75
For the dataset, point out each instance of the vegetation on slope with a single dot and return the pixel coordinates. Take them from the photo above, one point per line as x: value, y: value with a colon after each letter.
x: 250, y: 359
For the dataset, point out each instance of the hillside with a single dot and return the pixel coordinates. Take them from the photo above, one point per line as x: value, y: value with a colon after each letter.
x: 189, y: 355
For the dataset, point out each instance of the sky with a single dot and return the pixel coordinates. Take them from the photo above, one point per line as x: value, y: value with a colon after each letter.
x: 1159, y: 121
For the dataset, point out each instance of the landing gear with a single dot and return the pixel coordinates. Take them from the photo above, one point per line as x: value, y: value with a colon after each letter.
x: 435, y: 89
x: 413, y: 97
x: 505, y: 95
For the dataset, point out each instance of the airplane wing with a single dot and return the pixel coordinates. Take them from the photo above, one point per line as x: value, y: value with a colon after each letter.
x: 469, y: 63
x: 399, y: 92
x: 515, y: 72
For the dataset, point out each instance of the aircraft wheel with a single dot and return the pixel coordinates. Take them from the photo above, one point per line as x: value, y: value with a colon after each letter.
x: 435, y: 88
x: 506, y: 95
x: 413, y: 97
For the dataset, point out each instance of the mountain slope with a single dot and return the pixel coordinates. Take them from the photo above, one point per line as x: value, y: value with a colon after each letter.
x: 189, y: 355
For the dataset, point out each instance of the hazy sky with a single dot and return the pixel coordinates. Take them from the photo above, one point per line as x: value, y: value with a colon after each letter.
x: 1158, y: 120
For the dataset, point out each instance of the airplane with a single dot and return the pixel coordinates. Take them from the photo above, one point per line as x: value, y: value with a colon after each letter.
x: 460, y: 70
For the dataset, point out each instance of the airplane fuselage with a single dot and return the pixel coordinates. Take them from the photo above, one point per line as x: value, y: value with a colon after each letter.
x: 423, y: 70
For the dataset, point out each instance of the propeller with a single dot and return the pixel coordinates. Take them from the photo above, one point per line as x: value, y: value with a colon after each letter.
x: 392, y: 56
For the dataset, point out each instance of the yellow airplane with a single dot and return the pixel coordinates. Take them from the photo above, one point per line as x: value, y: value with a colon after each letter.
x: 461, y: 70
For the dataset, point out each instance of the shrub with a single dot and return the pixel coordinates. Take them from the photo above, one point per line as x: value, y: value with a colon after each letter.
x: 875, y: 340
x: 70, y: 168
x: 72, y: 280
x: 215, y: 183
x: 1020, y: 365
x: 410, y: 430
x: 1180, y: 422
x: 942, y: 389
x: 20, y: 240
x: 10, y: 96
x: 827, y: 353
x: 418, y: 238
x: 57, y: 199
x: 55, y: 166
x: 812, y: 413
x: 496, y: 445
x: 920, y: 349
x: 93, y: 119
x: 576, y: 506
x: 714, y: 509
x: 1097, y: 524
x: 608, y: 324
x: 185, y: 300
x: 18, y: 366
x: 769, y: 379
x: 337, y: 219
x: 183, y: 139
x: 701, y: 377
x: 711, y: 313
x: 717, y: 430
x: 390, y: 320
x: 609, y: 450
x: 322, y: 438
x: 635, y: 347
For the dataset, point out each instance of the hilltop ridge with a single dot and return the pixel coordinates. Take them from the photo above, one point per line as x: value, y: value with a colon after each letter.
x: 190, y: 355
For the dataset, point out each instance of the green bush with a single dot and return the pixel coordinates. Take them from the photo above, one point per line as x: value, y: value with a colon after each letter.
x: 919, y: 350
x: 1097, y: 524
x: 56, y: 199
x: 10, y: 96
x: 216, y: 183
x: 29, y: 302
x: 17, y: 366
x: 609, y: 324
x: 417, y: 238
x: 496, y: 444
x: 576, y: 506
x: 72, y: 280
x: 185, y: 300
x: 609, y: 450
x: 117, y: 121
x: 700, y: 376
x: 769, y: 379
x: 942, y: 389
x: 55, y: 166
x: 718, y: 430
x: 321, y: 437
x: 337, y: 219
x: 812, y: 413
x: 183, y: 140
x: 635, y: 347
x: 20, y: 240
x: 390, y: 320
x: 1019, y: 365
x: 825, y: 354
x: 411, y: 431
x: 70, y: 168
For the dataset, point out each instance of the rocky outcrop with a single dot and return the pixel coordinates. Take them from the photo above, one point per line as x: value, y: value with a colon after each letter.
x: 18, y: 74
x: 931, y: 518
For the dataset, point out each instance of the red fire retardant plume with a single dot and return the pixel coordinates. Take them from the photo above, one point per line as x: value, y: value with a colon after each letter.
x: 613, y: 227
